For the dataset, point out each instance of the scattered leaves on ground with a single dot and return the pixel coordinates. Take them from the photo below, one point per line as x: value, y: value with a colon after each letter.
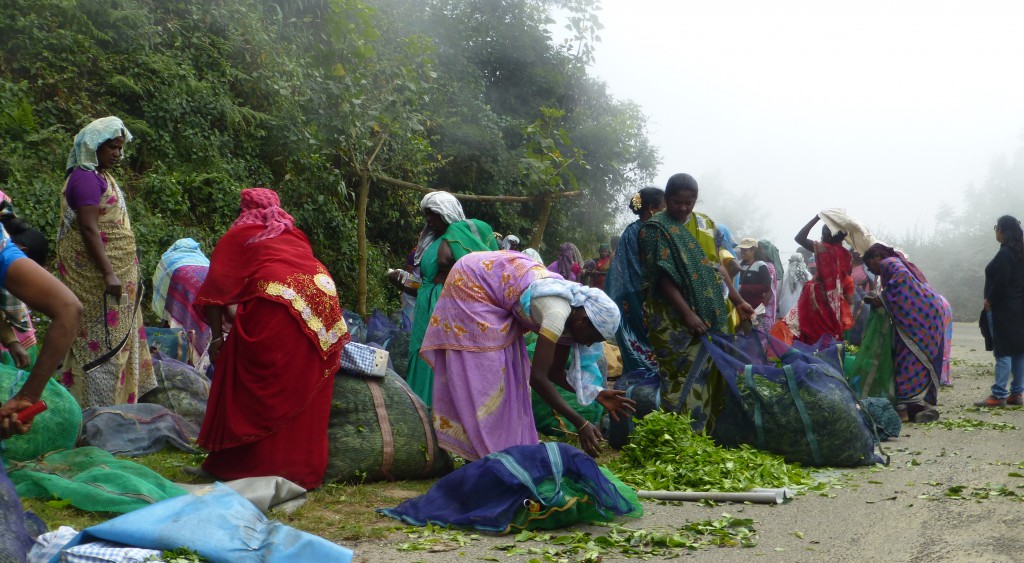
x: 969, y: 424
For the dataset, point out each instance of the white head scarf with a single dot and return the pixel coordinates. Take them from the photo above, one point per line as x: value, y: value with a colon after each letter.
x: 445, y: 205
x: 603, y: 314
x: 508, y: 241
x: 534, y: 255
x: 83, y: 153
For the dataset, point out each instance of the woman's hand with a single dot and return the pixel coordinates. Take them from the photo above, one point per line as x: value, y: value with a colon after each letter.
x: 9, y: 425
x: 19, y: 355
x: 695, y: 324
x: 745, y: 310
x: 214, y: 348
x: 590, y: 438
x: 616, y: 403
x: 876, y: 300
x: 113, y: 285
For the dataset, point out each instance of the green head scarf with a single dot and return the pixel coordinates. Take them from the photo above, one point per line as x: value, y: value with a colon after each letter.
x: 83, y: 154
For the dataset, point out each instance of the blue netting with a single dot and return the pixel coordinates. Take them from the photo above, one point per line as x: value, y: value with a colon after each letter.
x: 17, y: 527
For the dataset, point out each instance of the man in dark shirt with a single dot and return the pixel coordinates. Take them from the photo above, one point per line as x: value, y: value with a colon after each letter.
x: 755, y: 279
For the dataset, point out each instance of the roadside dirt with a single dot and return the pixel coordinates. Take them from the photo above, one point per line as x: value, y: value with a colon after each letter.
x: 879, y: 513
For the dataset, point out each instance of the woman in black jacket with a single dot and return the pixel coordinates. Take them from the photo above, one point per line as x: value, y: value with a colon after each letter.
x: 1004, y: 304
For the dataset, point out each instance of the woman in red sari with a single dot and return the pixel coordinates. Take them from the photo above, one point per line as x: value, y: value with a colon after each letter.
x: 274, y: 372
x: 824, y: 307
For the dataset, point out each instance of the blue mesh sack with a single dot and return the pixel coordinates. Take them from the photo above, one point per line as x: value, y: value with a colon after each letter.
x: 169, y: 342
x: 644, y: 387
x: 544, y: 486
x: 17, y: 527
x: 356, y: 326
x: 179, y: 387
x: 380, y: 329
x: 798, y: 406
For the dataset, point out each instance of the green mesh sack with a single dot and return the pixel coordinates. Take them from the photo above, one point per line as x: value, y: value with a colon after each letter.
x: 577, y: 507
x: 872, y: 372
x: 380, y: 430
x: 56, y: 428
x: 93, y: 480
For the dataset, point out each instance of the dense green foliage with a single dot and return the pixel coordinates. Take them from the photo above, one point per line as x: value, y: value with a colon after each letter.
x: 306, y: 96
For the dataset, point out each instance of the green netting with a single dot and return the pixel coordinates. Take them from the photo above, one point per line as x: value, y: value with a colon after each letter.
x: 93, y: 480
x: 577, y: 506
x: 357, y: 449
x: 56, y: 428
x: 872, y: 372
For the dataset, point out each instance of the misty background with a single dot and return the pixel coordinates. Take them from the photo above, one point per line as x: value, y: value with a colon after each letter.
x: 908, y: 114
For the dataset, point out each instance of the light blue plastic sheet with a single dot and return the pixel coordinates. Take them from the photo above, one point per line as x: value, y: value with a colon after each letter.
x: 217, y: 523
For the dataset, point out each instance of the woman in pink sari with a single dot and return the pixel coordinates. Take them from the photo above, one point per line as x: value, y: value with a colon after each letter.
x: 482, y: 373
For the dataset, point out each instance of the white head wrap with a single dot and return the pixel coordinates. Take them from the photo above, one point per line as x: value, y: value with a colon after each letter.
x: 83, y: 153
x: 534, y: 255
x: 508, y: 241
x: 445, y: 205
x: 603, y: 314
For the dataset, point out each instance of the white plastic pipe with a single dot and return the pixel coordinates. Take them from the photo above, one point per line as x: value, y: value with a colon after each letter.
x: 756, y: 496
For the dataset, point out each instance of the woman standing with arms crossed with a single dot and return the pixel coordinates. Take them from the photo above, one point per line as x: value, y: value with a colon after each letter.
x: 1004, y: 309
x: 109, y: 362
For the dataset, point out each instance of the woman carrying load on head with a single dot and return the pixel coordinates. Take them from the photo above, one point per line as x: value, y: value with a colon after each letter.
x: 274, y: 372
x: 483, y: 372
x: 686, y: 289
x: 568, y: 262
x: 109, y: 363
x: 447, y: 236
x: 919, y: 316
x: 824, y: 307
x: 793, y: 282
x: 624, y: 286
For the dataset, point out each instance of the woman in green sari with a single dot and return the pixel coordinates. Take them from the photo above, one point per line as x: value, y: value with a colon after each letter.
x: 685, y: 288
x: 446, y: 237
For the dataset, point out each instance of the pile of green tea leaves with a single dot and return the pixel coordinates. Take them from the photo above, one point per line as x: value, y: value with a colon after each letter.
x: 629, y: 543
x: 435, y: 538
x: 969, y: 424
x: 665, y: 454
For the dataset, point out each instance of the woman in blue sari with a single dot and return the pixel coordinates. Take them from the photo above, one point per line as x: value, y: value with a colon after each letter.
x: 623, y: 286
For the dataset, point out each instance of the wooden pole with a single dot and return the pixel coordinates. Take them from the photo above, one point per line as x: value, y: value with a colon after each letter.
x: 363, y: 197
x: 542, y: 222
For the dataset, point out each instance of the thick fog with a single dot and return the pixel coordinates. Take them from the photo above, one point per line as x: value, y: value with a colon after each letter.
x: 782, y: 108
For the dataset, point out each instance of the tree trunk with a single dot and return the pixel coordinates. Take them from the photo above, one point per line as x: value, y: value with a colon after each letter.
x: 542, y: 222
x: 363, y: 197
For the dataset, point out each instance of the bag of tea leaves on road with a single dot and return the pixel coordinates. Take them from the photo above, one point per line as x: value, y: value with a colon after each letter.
x: 380, y: 430
x: 800, y: 407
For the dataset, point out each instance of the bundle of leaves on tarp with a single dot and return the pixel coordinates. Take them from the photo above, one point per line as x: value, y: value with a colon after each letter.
x: 179, y: 387
x: 544, y: 486
x: 799, y: 406
x: 380, y: 430
x: 398, y: 350
x: 872, y: 372
x: 56, y: 428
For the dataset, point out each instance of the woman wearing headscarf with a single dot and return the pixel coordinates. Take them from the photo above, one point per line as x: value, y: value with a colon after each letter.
x: 686, y: 289
x: 179, y: 274
x: 601, y: 266
x: 511, y: 242
x: 274, y: 372
x: 797, y: 275
x: 917, y: 313
x: 568, y: 262
x: 446, y: 237
x: 624, y: 286
x: 484, y: 375
x: 824, y: 307
x: 1004, y: 314
x: 109, y: 362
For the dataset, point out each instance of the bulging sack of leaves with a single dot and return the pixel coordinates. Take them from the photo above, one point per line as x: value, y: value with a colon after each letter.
x: 380, y: 430
x: 801, y: 408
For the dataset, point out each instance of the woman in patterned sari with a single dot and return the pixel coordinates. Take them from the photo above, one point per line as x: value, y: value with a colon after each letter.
x: 446, y: 237
x: 274, y: 372
x: 624, y: 287
x: 483, y: 372
x: 686, y: 289
x: 109, y: 362
x: 918, y: 314
x: 824, y: 306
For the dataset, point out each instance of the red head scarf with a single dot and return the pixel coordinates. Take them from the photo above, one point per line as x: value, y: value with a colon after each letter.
x: 261, y: 206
